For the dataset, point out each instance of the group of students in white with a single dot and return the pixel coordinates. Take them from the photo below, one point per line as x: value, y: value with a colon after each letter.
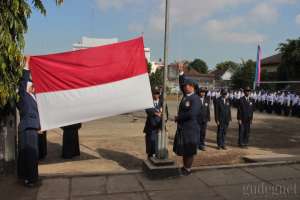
x: 279, y: 102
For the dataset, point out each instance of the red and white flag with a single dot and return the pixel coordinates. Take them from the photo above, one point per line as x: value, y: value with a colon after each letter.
x: 84, y: 85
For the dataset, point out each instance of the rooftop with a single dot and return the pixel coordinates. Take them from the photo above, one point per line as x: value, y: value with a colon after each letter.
x: 272, y: 60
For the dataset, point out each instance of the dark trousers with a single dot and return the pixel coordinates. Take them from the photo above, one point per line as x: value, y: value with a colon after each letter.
x: 221, y: 134
x: 269, y: 108
x: 294, y: 110
x: 151, y: 144
x: 286, y: 110
x: 70, y: 143
x: 298, y: 111
x: 203, y: 127
x: 261, y: 106
x: 28, y: 155
x: 244, y: 133
x: 42, y: 138
x: 278, y: 108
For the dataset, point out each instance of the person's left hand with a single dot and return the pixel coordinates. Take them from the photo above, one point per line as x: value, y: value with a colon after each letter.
x: 27, y: 62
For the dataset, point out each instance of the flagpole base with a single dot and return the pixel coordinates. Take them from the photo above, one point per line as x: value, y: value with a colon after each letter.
x: 155, y: 168
x: 163, y: 154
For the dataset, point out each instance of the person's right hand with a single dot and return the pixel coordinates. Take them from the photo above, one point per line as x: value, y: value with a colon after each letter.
x: 175, y: 118
x: 27, y: 63
x: 218, y: 123
x: 239, y: 121
x: 180, y: 67
x: 158, y: 114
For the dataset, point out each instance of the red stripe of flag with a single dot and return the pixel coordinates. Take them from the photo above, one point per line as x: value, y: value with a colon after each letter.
x: 88, y: 67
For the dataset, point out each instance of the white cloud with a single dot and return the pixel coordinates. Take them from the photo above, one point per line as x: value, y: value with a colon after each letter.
x: 191, y: 12
x: 264, y: 12
x: 298, y: 19
x: 116, y: 4
x: 284, y: 1
x: 224, y: 31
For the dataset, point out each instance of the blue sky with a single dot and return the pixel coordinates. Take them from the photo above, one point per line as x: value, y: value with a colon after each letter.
x: 215, y: 30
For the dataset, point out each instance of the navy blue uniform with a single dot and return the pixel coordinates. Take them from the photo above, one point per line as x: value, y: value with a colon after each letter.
x: 245, y: 115
x: 188, y: 125
x: 204, y: 113
x: 71, y: 146
x: 27, y: 133
x: 203, y: 118
x: 223, y: 116
x: 42, y: 141
x: 152, y: 128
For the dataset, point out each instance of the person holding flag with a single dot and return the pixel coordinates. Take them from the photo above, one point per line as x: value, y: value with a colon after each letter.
x: 28, y: 129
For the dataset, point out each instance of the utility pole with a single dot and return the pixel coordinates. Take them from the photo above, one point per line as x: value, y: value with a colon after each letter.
x: 162, y: 139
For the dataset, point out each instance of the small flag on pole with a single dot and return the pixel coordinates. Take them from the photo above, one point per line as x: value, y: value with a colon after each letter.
x: 258, y: 66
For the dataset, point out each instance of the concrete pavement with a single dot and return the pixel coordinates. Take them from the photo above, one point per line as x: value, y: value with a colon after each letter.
x: 255, y: 182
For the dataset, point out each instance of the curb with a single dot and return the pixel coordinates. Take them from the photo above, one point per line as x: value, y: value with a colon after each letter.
x: 130, y: 172
x: 89, y: 174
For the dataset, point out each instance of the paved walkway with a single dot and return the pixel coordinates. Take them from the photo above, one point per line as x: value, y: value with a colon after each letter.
x: 260, y: 182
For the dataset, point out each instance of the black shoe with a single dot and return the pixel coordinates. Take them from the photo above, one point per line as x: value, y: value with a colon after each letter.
x: 202, y: 148
x: 185, y: 172
x: 223, y: 147
x: 219, y: 148
x: 32, y: 184
x: 29, y: 184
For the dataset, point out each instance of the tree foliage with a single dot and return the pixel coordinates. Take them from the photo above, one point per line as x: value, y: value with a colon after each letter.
x: 289, y: 69
x: 244, y: 75
x: 13, y: 25
x: 199, y: 65
x: 227, y: 65
x: 156, y: 78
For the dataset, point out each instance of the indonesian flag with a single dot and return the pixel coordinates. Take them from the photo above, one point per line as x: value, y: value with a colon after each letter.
x: 84, y: 85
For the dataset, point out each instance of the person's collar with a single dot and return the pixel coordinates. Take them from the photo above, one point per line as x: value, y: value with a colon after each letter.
x: 190, y: 94
x: 32, y: 95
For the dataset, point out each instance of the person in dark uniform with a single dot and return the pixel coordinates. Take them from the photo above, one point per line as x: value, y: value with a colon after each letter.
x: 153, y: 124
x: 187, y: 124
x: 42, y: 141
x: 204, y: 117
x: 28, y: 154
x: 70, y: 146
x: 222, y: 118
x: 245, y: 117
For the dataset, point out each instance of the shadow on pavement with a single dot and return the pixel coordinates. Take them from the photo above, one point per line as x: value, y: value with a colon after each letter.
x: 125, y: 160
x: 55, y: 151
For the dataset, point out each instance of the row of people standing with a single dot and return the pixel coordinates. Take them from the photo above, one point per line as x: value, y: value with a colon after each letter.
x: 280, y: 102
x: 287, y: 103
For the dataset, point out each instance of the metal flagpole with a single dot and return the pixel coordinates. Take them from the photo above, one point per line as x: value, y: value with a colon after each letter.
x: 163, y: 150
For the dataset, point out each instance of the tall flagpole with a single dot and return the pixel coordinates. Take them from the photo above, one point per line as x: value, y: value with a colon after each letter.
x: 163, y: 149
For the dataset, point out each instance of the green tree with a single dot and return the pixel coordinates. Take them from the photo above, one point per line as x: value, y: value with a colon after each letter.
x: 244, y: 75
x: 289, y: 69
x: 227, y: 65
x: 156, y: 78
x: 13, y: 19
x: 199, y: 65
